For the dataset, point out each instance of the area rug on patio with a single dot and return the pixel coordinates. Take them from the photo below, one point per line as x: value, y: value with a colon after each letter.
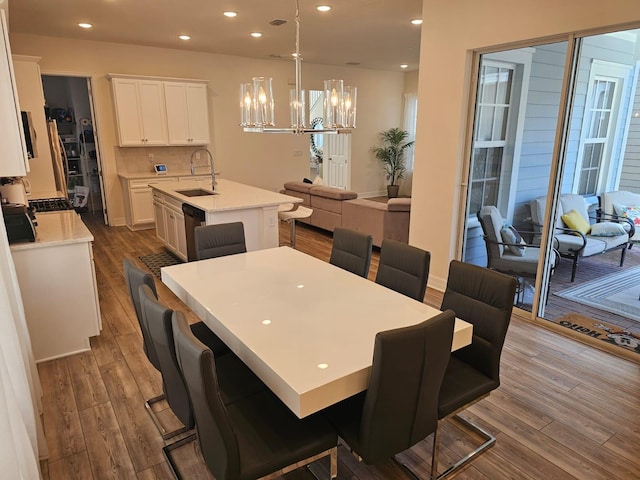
x: 155, y: 261
x: 616, y: 293
x: 610, y: 337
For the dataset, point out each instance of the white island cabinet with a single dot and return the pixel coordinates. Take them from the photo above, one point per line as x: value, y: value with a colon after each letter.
x: 255, y: 207
x: 58, y: 286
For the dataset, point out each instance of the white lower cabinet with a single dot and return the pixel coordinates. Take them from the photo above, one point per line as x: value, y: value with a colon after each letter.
x: 158, y: 216
x: 173, y: 234
x: 141, y: 205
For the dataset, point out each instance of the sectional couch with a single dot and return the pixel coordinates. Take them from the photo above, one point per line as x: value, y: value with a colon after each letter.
x: 333, y: 207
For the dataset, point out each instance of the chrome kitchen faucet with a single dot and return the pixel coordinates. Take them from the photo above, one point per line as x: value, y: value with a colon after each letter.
x: 193, y: 167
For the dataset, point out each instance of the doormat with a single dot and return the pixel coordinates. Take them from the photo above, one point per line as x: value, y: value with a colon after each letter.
x: 155, y: 261
x: 599, y: 333
x: 617, y: 293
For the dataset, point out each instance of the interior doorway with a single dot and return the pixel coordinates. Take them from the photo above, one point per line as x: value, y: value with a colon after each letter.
x: 329, y: 154
x: 70, y: 112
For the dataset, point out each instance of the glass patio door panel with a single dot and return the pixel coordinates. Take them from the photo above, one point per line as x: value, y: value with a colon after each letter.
x: 515, y: 122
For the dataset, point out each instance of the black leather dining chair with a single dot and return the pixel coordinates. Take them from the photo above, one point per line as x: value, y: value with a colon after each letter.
x: 404, y: 268
x: 254, y: 436
x: 219, y: 240
x: 236, y: 379
x: 483, y: 298
x: 351, y: 251
x: 400, y: 406
x: 135, y: 278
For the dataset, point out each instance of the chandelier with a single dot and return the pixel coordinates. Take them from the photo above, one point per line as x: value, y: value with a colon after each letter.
x: 257, y: 103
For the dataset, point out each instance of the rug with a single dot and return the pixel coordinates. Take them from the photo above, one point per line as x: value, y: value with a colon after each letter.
x: 155, y: 261
x: 616, y: 293
x: 597, y: 331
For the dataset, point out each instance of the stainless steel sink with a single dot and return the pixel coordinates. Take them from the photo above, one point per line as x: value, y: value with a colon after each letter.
x: 195, y: 192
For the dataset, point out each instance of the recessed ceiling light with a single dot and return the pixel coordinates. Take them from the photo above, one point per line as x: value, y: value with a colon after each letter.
x: 85, y: 25
x: 404, y: 65
x: 323, y: 8
x: 184, y: 37
x: 230, y: 14
x: 416, y: 21
x: 256, y: 34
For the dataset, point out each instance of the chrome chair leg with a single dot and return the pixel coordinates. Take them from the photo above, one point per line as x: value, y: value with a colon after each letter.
x: 163, y: 431
x: 166, y: 451
x: 490, y: 441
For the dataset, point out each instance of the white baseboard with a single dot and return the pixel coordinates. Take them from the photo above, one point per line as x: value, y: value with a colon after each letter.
x: 437, y: 283
x: 117, y: 222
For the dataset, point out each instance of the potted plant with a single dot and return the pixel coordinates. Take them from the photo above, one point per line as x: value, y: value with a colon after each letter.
x: 391, y: 154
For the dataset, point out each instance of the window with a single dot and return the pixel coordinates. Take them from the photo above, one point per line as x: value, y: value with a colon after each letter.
x: 490, y: 135
x: 409, y: 122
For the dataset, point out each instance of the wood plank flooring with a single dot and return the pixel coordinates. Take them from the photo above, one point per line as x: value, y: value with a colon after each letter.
x: 564, y: 410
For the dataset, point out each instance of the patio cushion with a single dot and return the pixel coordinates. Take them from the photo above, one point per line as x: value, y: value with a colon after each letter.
x: 575, y: 221
x: 510, y: 235
x: 527, y: 263
x: 607, y: 229
x: 612, y: 242
x: 568, y: 242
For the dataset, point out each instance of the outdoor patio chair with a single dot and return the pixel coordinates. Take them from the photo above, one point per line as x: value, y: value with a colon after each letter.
x: 515, y: 259
x: 574, y: 233
x: 622, y: 203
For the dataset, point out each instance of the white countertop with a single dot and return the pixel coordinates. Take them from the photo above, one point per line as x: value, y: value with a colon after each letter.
x: 57, y: 228
x: 229, y: 195
x: 304, y: 326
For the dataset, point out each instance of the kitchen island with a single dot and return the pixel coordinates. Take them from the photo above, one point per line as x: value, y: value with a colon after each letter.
x: 58, y: 285
x: 255, y: 207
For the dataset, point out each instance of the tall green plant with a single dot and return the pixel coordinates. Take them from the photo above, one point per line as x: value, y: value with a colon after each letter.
x: 391, y: 154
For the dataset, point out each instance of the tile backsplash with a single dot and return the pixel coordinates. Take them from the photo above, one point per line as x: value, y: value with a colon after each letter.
x: 137, y: 160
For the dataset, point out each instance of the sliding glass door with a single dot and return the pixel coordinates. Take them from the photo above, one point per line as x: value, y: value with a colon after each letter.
x: 516, y: 117
x: 556, y: 126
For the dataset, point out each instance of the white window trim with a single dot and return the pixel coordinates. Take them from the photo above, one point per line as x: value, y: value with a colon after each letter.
x: 615, y: 72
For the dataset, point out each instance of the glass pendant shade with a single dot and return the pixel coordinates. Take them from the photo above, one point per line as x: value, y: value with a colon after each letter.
x: 263, y: 107
x: 350, y: 101
x: 333, y: 103
x: 246, y: 103
x: 297, y: 107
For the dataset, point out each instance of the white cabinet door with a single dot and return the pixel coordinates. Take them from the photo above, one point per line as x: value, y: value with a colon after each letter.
x: 158, y: 215
x: 198, y: 113
x: 181, y: 245
x: 14, y: 154
x: 141, y: 205
x: 153, y: 112
x: 187, y: 113
x: 125, y: 96
x: 140, y: 112
x: 171, y: 222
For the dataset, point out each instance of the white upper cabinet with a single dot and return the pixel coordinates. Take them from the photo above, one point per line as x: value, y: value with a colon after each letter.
x: 156, y: 111
x: 13, y: 161
x: 140, y: 112
x: 187, y: 113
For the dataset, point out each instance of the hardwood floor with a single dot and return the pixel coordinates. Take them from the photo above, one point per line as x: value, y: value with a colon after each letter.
x: 564, y: 410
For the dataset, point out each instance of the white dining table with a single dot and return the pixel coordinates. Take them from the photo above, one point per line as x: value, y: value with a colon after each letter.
x: 304, y: 326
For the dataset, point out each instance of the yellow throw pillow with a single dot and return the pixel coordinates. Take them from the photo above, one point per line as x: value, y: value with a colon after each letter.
x: 575, y: 221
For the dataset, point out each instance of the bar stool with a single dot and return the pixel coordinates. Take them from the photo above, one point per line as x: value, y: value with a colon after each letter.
x: 288, y: 212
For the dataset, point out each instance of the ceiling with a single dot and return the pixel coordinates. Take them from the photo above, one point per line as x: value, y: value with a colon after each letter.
x: 375, y: 34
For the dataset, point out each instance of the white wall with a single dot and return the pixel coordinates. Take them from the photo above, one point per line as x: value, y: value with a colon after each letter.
x: 261, y: 160
x: 450, y: 32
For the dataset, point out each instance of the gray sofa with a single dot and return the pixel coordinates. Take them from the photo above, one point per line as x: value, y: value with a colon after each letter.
x: 333, y: 207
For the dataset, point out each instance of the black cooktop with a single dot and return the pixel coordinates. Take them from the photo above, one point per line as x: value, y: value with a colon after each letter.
x: 51, y: 204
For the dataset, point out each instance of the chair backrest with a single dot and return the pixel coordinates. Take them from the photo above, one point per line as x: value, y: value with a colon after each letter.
x: 219, y: 240
x: 483, y: 298
x: 158, y: 319
x: 217, y: 440
x: 491, y: 222
x: 618, y: 198
x: 401, y: 402
x: 135, y: 277
x: 404, y: 268
x: 572, y: 201
x: 351, y: 251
